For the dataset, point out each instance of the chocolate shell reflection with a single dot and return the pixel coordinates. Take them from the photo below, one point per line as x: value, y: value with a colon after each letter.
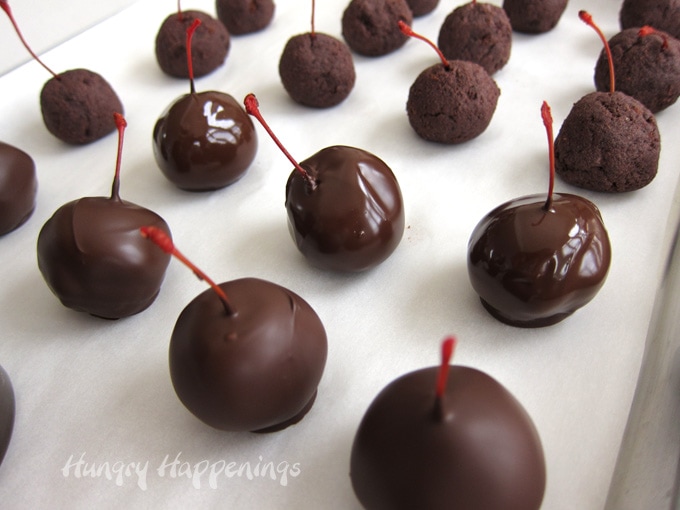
x: 533, y: 267
x: 204, y: 141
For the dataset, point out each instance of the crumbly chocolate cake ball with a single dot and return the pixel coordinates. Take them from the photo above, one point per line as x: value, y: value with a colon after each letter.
x: 478, y: 32
x: 661, y: 14
x: 209, y: 45
x: 78, y: 106
x: 534, y: 16
x: 609, y: 142
x: 422, y: 7
x: 245, y: 16
x: 646, y: 65
x: 452, y: 105
x: 370, y: 27
x: 317, y: 70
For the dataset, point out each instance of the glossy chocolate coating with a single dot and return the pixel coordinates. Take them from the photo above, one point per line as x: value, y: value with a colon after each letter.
x: 204, y: 141
x: 352, y: 218
x: 7, y: 409
x: 95, y: 260
x: 18, y: 187
x: 534, y: 268
x: 255, y: 369
x: 78, y: 106
x: 476, y: 449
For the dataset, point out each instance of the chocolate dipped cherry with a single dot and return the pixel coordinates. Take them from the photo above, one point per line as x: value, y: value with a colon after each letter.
x: 451, y: 102
x: 247, y: 354
x: 317, y: 69
x: 647, y: 64
x: 536, y: 260
x: 422, y: 7
x: 479, y: 32
x: 534, y: 16
x: 92, y: 257
x: 609, y: 141
x: 7, y: 410
x: 447, y: 437
x: 211, y: 44
x: 245, y: 16
x: 345, y: 209
x: 18, y: 187
x: 78, y: 105
x: 204, y: 140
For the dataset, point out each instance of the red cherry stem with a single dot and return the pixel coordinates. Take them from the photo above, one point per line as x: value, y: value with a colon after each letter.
x: 647, y: 30
x: 8, y: 10
x: 121, y: 124
x: 588, y: 20
x: 406, y: 30
x: 313, y: 12
x: 252, y: 107
x: 190, y: 62
x: 161, y: 239
x: 548, y: 123
x: 180, y: 15
x: 448, y: 346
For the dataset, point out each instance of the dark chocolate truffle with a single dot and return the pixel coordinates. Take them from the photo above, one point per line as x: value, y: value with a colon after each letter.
x: 209, y: 46
x: 608, y: 142
x: 18, y: 187
x: 534, y: 16
x: 93, y: 258
x: 350, y: 217
x: 204, y: 141
x: 422, y: 7
x: 478, y: 32
x: 370, y: 27
x: 480, y: 451
x: 532, y: 266
x: 317, y: 70
x: 254, y: 368
x: 7, y: 410
x: 660, y: 14
x: 245, y: 16
x: 452, y: 105
x: 78, y: 105
x: 646, y: 65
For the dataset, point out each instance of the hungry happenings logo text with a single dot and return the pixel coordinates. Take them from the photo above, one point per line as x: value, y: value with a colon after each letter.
x: 201, y: 474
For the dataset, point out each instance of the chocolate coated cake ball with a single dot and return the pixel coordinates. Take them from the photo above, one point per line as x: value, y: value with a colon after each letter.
x: 370, y: 26
x: 661, y: 14
x: 533, y: 267
x: 7, y: 410
x: 254, y: 369
x: 78, y: 105
x: 480, y: 451
x: 534, y: 16
x: 478, y: 32
x: 352, y: 218
x: 245, y: 16
x: 204, y: 141
x: 647, y: 67
x: 18, y: 187
x: 209, y: 46
x: 452, y: 105
x: 608, y: 142
x: 317, y: 70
